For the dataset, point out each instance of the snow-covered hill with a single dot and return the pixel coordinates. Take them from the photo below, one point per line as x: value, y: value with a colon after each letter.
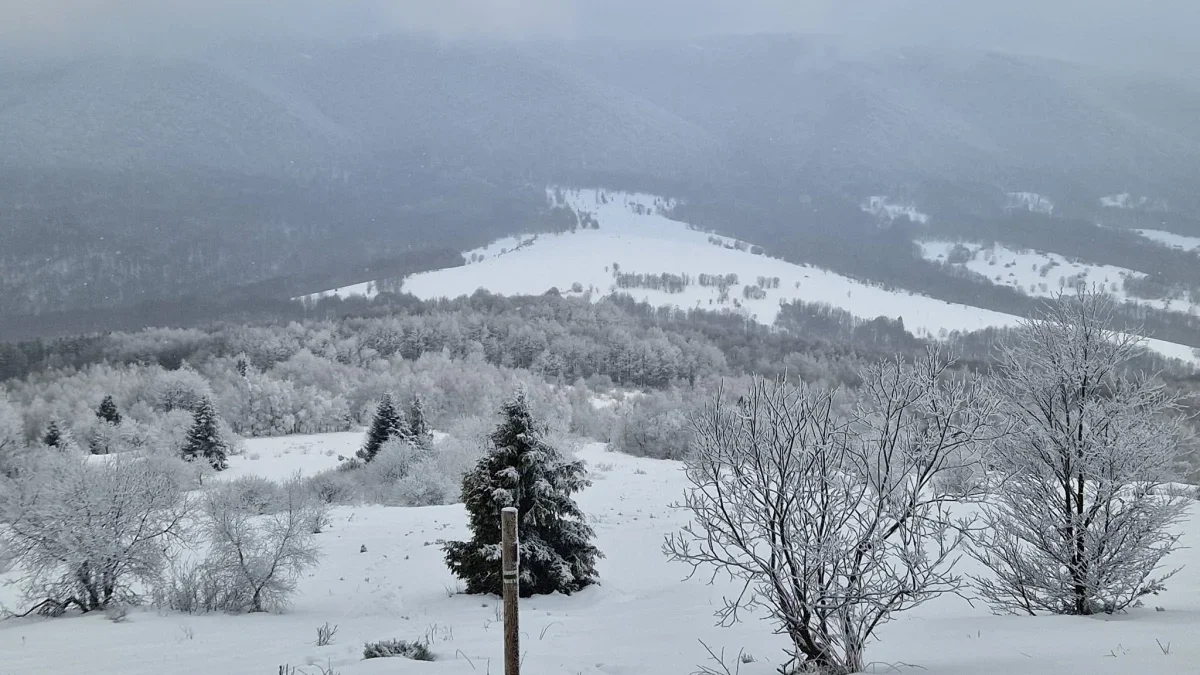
x: 1172, y: 240
x: 644, y: 618
x: 1042, y: 274
x: 637, y: 236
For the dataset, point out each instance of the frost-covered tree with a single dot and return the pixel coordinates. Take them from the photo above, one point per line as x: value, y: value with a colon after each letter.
x: 256, y: 559
x: 181, y: 389
x: 522, y: 470
x: 418, y: 426
x: 1080, y: 522
x: 53, y: 437
x: 12, y: 441
x: 204, y: 438
x: 385, y: 425
x: 84, y: 534
x: 832, y: 523
x: 108, y: 412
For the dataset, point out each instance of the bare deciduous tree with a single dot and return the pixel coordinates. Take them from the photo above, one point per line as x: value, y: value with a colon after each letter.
x: 260, y: 557
x: 85, y: 534
x: 1079, y: 523
x: 11, y: 440
x: 833, y: 523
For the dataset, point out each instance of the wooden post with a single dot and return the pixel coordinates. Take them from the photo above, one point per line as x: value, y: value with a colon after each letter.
x: 512, y: 572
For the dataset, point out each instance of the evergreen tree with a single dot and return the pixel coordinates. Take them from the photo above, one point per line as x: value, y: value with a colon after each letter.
x: 108, y: 411
x: 204, y: 439
x: 522, y: 470
x: 385, y: 425
x: 53, y: 437
x: 418, y: 427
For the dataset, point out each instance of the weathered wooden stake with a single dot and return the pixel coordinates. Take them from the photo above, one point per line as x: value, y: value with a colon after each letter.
x: 512, y: 572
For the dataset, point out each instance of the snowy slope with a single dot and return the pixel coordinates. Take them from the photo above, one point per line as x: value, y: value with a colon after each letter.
x: 651, y: 243
x: 637, y: 235
x: 644, y: 619
x: 1042, y: 274
x: 1172, y: 240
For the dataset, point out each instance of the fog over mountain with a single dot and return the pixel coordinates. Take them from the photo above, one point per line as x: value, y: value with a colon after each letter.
x: 154, y: 150
x: 1152, y: 34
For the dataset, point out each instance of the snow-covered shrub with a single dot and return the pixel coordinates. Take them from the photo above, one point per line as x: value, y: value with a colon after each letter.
x: 195, y: 588
x: 591, y: 418
x: 1080, y: 523
x: 89, y: 533
x: 417, y: 650
x: 334, y: 486
x: 259, y: 558
x: 256, y: 494
x: 181, y: 389
x: 833, y: 523
x: 655, y: 425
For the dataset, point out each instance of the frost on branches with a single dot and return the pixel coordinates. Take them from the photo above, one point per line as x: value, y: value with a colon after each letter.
x: 522, y: 470
x: 1079, y: 523
x: 834, y: 523
x: 90, y: 535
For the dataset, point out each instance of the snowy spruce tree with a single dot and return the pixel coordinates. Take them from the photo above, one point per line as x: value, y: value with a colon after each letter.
x: 53, y: 438
x: 108, y: 412
x: 385, y: 425
x: 1082, y: 519
x: 204, y: 439
x: 523, y: 471
x: 418, y: 426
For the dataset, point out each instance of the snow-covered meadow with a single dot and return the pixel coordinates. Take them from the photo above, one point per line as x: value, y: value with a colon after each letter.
x: 642, y: 619
x: 637, y: 235
x: 1042, y: 274
x: 1172, y: 240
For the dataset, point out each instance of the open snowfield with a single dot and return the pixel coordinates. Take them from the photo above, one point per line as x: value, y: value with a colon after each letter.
x: 648, y: 242
x: 1041, y: 274
x: 643, y: 619
x: 635, y: 234
x: 1172, y: 240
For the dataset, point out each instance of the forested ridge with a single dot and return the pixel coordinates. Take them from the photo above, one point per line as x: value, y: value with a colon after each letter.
x: 460, y: 356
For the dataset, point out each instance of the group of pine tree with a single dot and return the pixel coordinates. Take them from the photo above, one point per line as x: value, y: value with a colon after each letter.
x: 520, y: 469
x: 389, y: 423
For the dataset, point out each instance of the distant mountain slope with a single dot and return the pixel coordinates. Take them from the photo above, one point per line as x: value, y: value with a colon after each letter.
x: 904, y: 116
x: 636, y: 249
x: 129, y: 179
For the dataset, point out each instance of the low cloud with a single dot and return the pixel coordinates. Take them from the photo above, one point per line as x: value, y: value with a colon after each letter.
x: 1153, y: 33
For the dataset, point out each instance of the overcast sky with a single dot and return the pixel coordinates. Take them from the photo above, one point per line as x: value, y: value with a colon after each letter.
x: 1161, y: 33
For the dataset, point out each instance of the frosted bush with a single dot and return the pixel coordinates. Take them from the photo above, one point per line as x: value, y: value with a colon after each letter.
x: 334, y: 486
x: 256, y: 494
x: 70, y: 556
x: 259, y: 558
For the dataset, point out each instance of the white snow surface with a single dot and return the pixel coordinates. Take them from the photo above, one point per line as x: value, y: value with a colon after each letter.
x: 886, y: 209
x: 651, y: 243
x: 1041, y: 274
x: 644, y: 618
x: 1125, y: 200
x: 1029, y: 201
x: 637, y: 234
x: 1172, y: 240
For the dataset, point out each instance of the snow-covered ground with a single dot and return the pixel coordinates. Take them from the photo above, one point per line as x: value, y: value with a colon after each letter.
x: 1029, y: 201
x: 636, y: 234
x: 1172, y: 240
x: 1041, y: 274
x: 282, y: 457
x: 643, y: 620
x: 887, y: 209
